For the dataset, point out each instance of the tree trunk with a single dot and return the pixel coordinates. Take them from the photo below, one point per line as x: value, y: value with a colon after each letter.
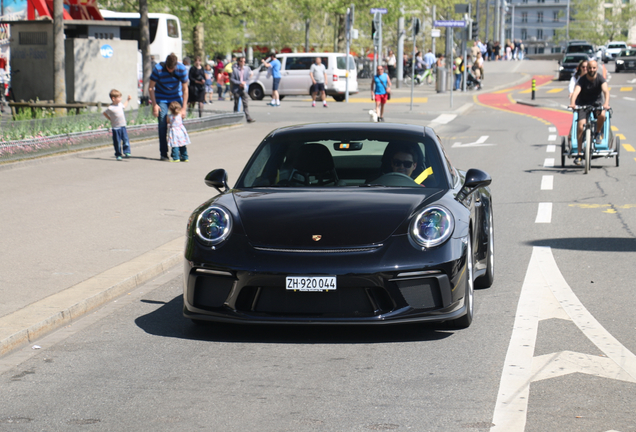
x: 198, y: 40
x: 59, y: 78
x: 307, y: 22
x: 340, y: 41
x: 144, y: 45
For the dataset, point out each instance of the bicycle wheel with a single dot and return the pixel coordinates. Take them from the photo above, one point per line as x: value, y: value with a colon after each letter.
x: 587, y: 150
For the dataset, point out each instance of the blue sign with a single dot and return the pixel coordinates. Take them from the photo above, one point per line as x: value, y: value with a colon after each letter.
x: 449, y: 23
x: 106, y: 51
x: 378, y: 10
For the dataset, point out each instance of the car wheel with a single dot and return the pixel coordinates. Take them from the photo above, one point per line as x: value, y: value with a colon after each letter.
x: 465, y: 321
x: 256, y: 92
x: 338, y: 98
x: 617, y: 142
x: 563, y: 152
x: 587, y: 150
x: 487, y: 279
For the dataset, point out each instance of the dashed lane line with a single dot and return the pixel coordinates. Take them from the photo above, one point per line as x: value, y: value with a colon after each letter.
x: 551, y: 148
x: 547, y: 182
x: 629, y: 148
x: 548, y: 163
x: 544, y: 213
x: 552, y: 137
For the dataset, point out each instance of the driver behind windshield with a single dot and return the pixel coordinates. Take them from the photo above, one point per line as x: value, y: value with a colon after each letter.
x: 403, y: 162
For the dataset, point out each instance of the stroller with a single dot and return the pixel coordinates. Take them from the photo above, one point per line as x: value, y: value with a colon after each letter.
x: 472, y: 82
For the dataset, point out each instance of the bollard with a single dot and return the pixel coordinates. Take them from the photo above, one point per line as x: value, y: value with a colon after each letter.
x: 534, y: 87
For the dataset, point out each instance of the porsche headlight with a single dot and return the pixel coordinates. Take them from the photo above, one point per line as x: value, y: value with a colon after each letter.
x: 214, y: 225
x: 432, y: 226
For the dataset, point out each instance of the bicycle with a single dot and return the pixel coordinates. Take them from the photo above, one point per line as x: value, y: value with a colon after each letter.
x: 607, y: 147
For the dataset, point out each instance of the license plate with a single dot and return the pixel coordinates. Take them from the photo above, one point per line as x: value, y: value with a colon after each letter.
x: 311, y: 283
x: 630, y: 64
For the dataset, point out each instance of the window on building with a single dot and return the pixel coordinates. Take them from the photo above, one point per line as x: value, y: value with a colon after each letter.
x: 540, y: 1
x: 524, y: 34
x: 524, y: 17
x: 539, y: 34
x: 508, y: 34
x: 555, y: 16
x: 539, y: 16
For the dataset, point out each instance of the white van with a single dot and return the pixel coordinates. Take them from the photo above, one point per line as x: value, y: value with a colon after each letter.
x: 295, y: 79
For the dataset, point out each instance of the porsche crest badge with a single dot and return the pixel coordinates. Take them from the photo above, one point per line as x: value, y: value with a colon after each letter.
x: 316, y: 237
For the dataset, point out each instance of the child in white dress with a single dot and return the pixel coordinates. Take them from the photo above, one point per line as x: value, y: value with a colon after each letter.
x: 178, y: 137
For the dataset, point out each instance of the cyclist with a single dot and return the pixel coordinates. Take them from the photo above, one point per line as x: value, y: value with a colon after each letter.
x: 590, y: 89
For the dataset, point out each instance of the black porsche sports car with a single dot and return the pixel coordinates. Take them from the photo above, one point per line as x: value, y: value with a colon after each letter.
x: 342, y: 223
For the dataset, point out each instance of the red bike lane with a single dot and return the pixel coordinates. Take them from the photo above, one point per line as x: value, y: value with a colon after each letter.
x: 502, y: 100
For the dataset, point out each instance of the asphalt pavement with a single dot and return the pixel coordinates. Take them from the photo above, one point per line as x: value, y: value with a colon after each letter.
x: 81, y: 229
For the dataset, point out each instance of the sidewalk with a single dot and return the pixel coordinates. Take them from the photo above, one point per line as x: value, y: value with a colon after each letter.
x: 83, y: 229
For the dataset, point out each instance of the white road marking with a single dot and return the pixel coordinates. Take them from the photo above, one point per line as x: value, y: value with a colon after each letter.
x: 629, y: 98
x: 481, y: 142
x: 551, y: 148
x: 544, y: 295
x: 548, y: 163
x: 552, y: 129
x: 552, y: 137
x: 444, y: 118
x: 544, y: 213
x: 632, y: 81
x: 547, y: 182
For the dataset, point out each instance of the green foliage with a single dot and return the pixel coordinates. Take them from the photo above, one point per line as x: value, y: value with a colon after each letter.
x: 230, y: 25
x: 597, y: 24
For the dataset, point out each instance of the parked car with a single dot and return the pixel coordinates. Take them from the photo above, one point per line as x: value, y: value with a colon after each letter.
x: 342, y: 223
x: 295, y: 78
x: 626, y: 60
x: 581, y: 48
x: 613, y: 50
x: 568, y: 65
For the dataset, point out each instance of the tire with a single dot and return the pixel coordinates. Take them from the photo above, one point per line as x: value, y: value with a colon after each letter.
x: 338, y: 98
x: 256, y: 92
x: 465, y: 321
x: 617, y: 143
x: 563, y: 150
x: 199, y: 323
x: 488, y: 278
x: 587, y: 150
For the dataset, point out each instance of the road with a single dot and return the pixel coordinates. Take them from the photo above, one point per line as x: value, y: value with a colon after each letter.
x: 550, y: 349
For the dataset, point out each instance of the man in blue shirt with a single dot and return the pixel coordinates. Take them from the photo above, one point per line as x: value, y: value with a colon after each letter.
x: 274, y: 64
x: 168, y: 83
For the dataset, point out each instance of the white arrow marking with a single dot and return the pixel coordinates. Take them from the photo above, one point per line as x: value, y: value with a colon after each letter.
x: 481, y: 142
x: 545, y: 294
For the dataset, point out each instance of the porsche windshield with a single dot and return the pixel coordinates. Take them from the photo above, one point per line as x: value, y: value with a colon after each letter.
x: 360, y: 159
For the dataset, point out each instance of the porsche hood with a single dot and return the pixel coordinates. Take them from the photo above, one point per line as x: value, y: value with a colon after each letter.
x: 324, y: 218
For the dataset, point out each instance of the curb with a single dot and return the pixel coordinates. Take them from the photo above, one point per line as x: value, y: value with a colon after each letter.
x: 39, y: 318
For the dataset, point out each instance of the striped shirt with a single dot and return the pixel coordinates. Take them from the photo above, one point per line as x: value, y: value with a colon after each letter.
x: 168, y: 85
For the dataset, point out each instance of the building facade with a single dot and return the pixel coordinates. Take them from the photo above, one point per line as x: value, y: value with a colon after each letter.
x: 535, y: 22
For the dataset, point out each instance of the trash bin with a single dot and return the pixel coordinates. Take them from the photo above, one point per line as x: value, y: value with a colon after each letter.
x: 440, y: 80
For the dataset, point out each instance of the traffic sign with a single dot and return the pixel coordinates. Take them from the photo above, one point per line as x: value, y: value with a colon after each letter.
x: 378, y: 10
x: 449, y: 23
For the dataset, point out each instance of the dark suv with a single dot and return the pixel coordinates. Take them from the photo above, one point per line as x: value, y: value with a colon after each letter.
x: 581, y: 48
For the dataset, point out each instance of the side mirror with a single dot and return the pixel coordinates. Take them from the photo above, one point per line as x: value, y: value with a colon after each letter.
x: 217, y: 179
x: 474, y: 179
